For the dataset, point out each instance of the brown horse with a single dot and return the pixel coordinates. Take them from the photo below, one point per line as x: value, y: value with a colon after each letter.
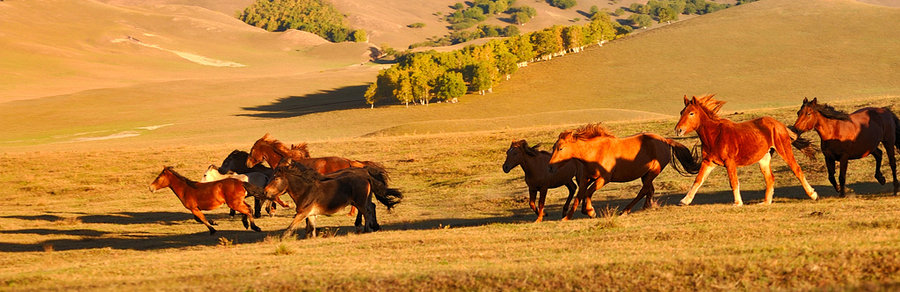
x: 535, y: 164
x: 609, y: 159
x: 205, y: 196
x: 315, y: 194
x: 733, y: 144
x: 273, y: 151
x: 851, y: 136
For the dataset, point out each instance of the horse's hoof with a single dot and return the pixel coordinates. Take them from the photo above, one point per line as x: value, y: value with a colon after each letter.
x: 814, y: 196
x: 212, y: 231
x: 255, y: 228
x: 592, y: 214
x: 765, y: 203
x: 213, y: 223
x: 880, y: 179
x: 683, y: 204
x: 738, y: 204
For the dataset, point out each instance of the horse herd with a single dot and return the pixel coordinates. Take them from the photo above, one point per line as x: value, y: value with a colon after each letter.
x: 594, y: 157
x: 590, y: 155
x: 318, y: 186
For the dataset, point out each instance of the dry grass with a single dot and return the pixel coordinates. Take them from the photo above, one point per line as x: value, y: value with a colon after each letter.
x: 75, y: 220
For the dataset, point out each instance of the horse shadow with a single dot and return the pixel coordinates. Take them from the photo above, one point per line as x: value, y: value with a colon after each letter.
x: 343, y: 98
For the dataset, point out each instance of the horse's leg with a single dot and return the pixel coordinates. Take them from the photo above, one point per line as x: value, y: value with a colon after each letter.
x: 784, y: 150
x: 842, y: 175
x: 889, y: 151
x: 540, y: 208
x: 829, y: 165
x: 876, y: 153
x: 202, y: 219
x: 232, y: 213
x: 257, y: 208
x: 375, y: 226
x: 311, y: 227
x: 766, y: 169
x: 573, y: 188
x: 583, y: 195
x: 301, y: 215
x: 207, y: 220
x: 731, y: 166
x: 705, y: 168
x: 352, y: 211
x: 532, y: 196
x: 244, y: 208
x: 641, y: 194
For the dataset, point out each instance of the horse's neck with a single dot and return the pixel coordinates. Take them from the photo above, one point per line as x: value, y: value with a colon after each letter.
x: 535, y: 164
x: 273, y: 157
x: 709, y: 130
x: 178, y: 186
x: 831, y: 128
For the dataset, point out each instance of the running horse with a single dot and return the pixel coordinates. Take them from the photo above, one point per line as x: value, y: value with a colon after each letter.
x: 206, y: 196
x: 236, y: 161
x: 315, y: 194
x: 538, y: 178
x: 607, y: 158
x: 851, y: 136
x: 731, y: 144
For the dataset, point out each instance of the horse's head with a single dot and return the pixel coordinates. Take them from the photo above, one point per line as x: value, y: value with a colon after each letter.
x: 211, y: 174
x: 513, y: 156
x: 807, y: 116
x: 257, y: 152
x: 690, y: 116
x: 162, y: 180
x: 236, y: 156
x: 562, y: 150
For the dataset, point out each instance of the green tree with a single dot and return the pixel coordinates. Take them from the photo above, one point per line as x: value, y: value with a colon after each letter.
x: 571, y: 37
x: 404, y: 89
x: 359, y: 36
x: 482, y: 77
x: 449, y: 85
x: 641, y: 20
x: 562, y: 4
x: 506, y: 64
x: 371, y: 94
x: 544, y: 42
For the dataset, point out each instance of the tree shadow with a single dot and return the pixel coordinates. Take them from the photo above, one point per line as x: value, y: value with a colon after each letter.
x: 350, y: 97
x: 586, y: 14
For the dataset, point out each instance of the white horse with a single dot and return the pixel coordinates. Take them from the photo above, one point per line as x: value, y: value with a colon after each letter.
x: 255, y: 178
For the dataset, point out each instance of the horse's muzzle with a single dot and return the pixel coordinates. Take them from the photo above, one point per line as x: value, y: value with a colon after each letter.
x: 679, y: 132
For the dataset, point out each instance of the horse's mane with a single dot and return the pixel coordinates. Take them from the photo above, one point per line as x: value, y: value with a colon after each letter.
x: 710, y: 105
x: 302, y: 147
x: 529, y: 150
x: 299, y: 171
x: 186, y: 180
x: 830, y: 112
x: 587, y: 132
x: 282, y: 149
x: 241, y: 153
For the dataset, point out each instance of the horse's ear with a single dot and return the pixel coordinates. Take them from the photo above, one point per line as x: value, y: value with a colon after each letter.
x: 266, y: 136
x: 805, y: 100
x: 686, y: 100
x: 694, y: 100
x: 815, y: 100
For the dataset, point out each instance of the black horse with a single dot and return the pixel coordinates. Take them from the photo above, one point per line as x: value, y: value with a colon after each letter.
x: 237, y: 162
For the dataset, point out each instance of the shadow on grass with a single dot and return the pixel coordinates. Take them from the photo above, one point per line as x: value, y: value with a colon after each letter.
x: 232, y: 229
x: 350, y: 97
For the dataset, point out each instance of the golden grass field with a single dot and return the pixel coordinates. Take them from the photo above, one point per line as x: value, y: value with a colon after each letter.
x: 88, y: 123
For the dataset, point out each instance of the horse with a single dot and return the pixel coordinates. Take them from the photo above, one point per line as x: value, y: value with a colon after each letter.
x: 206, y: 196
x: 607, y: 158
x: 236, y: 161
x: 851, y: 136
x: 731, y: 144
x: 535, y: 164
x: 315, y: 194
x: 254, y: 178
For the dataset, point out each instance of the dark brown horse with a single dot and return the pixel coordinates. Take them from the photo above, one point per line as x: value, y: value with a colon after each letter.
x: 852, y: 136
x: 737, y: 144
x: 609, y: 159
x: 535, y: 164
x: 236, y: 161
x: 315, y: 194
x: 205, y: 196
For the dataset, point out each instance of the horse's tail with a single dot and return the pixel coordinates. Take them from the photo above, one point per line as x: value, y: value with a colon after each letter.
x: 379, y: 181
x: 255, y: 191
x: 802, y: 144
x: 362, y: 163
x: 896, y: 127
x: 689, y: 160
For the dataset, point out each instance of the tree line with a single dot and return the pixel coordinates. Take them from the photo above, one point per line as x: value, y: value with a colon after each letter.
x: 315, y: 16
x: 426, y: 76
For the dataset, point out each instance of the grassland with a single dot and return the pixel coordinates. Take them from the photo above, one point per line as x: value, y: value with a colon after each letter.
x: 77, y: 213
x: 85, y: 220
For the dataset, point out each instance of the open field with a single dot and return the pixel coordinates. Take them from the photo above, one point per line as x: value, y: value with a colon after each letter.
x: 90, y: 116
x: 84, y: 219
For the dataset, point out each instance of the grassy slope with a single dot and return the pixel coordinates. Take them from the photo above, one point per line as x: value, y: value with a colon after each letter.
x: 76, y: 220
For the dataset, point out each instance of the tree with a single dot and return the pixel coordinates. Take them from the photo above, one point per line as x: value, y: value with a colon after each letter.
x: 404, y: 90
x: 372, y: 94
x: 562, y: 4
x: 481, y: 77
x: 571, y: 37
x: 420, y: 87
x: 506, y: 64
x: 594, y: 10
x: 359, y: 36
x: 449, y: 85
x: 641, y: 20
x: 544, y: 42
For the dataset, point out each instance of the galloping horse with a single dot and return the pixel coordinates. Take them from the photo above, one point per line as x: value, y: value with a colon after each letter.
x: 205, y: 196
x: 254, y: 178
x: 737, y: 144
x: 237, y: 162
x: 315, y: 194
x: 273, y: 151
x: 535, y: 164
x: 854, y: 136
x: 609, y: 159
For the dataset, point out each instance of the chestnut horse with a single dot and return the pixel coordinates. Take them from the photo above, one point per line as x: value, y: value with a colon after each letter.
x: 315, y: 194
x: 254, y: 178
x: 535, y: 164
x: 273, y: 151
x: 733, y: 144
x: 205, y: 196
x: 851, y: 136
x: 609, y: 159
